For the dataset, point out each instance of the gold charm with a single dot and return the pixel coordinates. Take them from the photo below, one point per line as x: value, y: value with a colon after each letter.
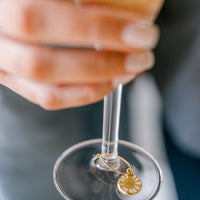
x: 129, y: 184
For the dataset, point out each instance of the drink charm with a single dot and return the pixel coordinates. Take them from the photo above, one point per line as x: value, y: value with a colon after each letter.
x: 128, y: 183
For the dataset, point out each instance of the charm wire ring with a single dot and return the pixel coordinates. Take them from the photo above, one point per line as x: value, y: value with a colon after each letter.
x: 128, y: 183
x: 129, y: 166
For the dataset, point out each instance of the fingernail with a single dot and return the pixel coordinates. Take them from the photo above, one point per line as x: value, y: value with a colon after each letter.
x: 143, y: 37
x: 138, y: 62
x: 122, y: 80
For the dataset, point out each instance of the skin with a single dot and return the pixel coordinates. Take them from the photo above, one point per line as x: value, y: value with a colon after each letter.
x: 58, y: 78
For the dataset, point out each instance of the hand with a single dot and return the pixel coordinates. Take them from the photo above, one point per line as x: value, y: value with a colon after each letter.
x: 57, y: 78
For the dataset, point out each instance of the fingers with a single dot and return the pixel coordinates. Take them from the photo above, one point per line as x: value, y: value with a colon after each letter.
x: 56, y: 78
x: 52, y: 97
x: 63, y: 23
x: 64, y: 66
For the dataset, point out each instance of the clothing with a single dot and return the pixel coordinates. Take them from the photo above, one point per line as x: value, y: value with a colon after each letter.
x: 31, y: 139
x: 178, y: 72
x: 178, y: 75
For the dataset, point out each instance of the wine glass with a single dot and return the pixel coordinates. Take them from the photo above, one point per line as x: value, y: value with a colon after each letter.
x: 78, y: 175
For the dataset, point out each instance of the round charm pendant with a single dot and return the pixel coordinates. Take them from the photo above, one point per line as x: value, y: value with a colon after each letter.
x: 129, y: 184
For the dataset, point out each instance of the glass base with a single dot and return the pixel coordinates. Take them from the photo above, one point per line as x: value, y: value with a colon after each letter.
x: 78, y: 175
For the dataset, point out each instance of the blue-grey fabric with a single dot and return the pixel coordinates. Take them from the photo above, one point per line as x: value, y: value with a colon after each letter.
x: 178, y: 72
x: 31, y: 139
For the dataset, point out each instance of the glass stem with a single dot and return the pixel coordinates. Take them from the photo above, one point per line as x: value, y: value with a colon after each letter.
x: 111, y: 116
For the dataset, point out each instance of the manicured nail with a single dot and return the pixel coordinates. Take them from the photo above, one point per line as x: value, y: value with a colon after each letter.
x: 138, y: 62
x: 122, y: 80
x: 143, y: 37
